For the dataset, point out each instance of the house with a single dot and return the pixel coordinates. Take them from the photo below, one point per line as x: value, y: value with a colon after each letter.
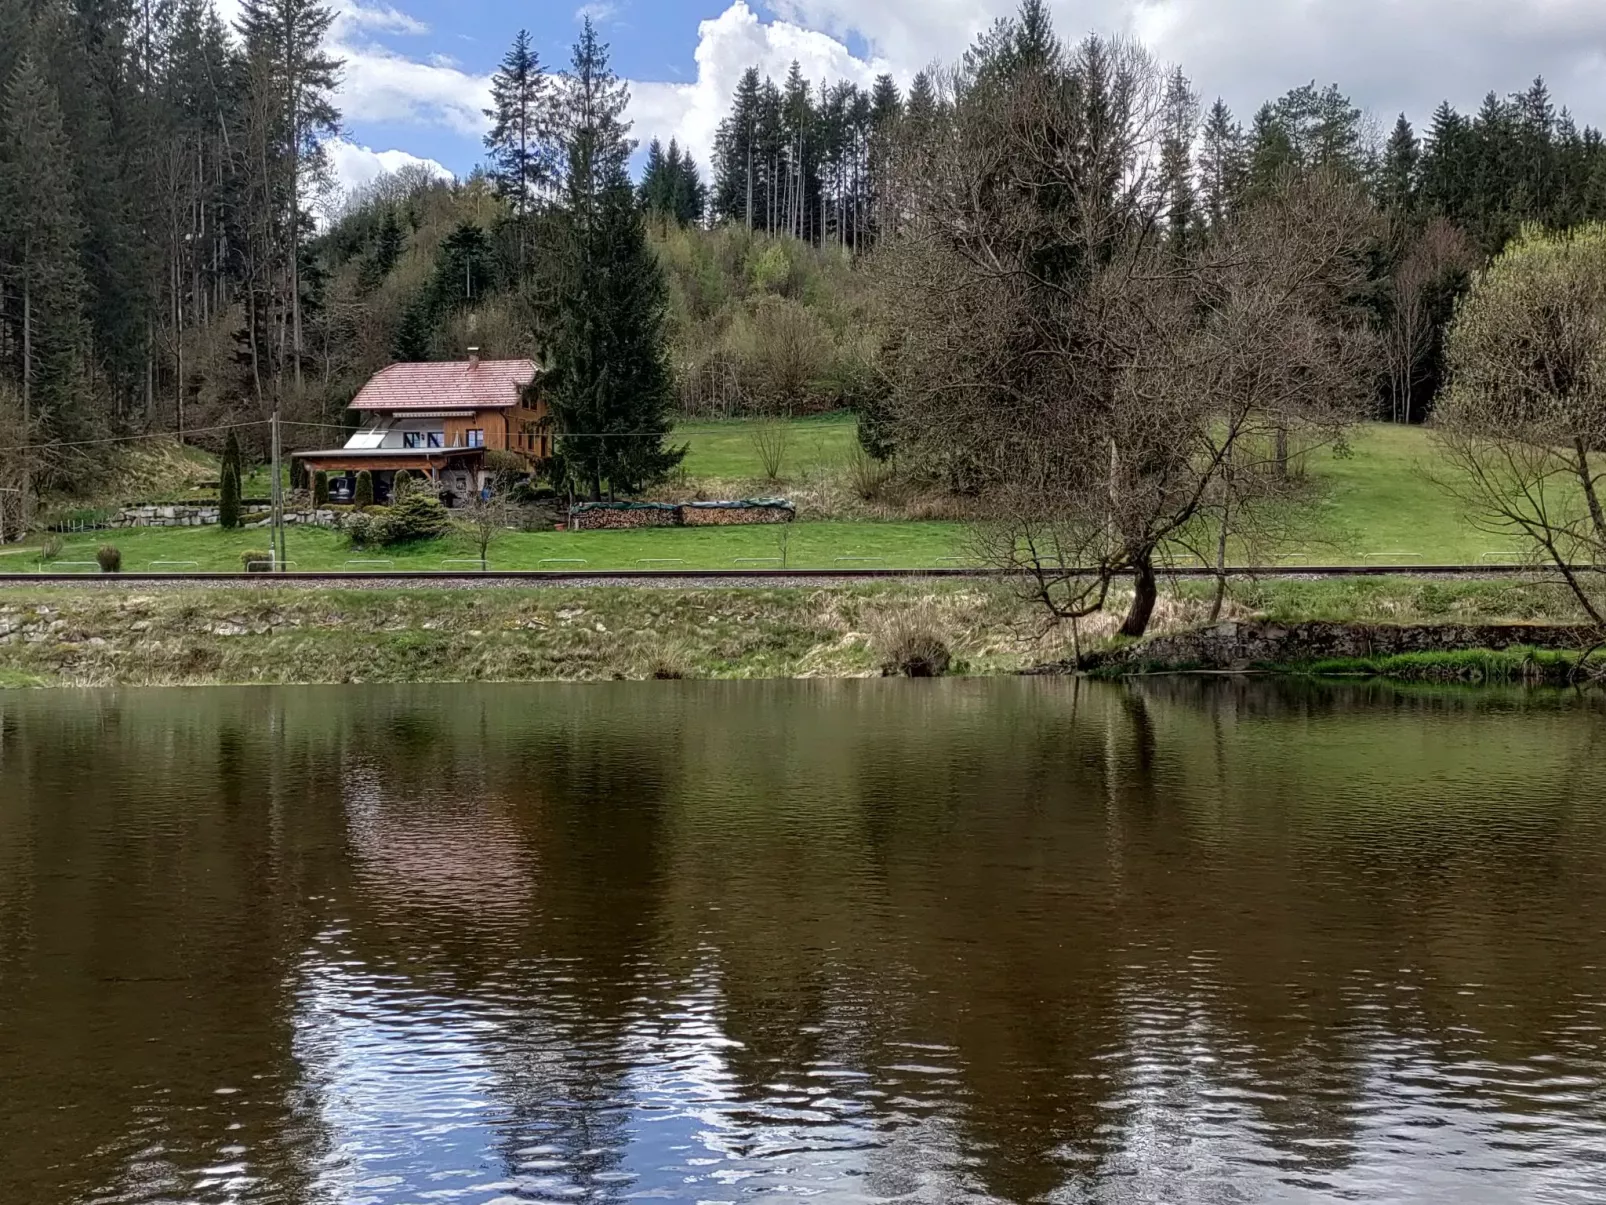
x: 438, y: 419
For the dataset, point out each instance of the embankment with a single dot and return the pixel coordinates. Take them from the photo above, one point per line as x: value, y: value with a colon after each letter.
x: 115, y: 634
x: 1442, y: 652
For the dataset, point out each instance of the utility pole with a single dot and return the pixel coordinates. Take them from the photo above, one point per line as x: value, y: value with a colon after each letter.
x: 276, y: 498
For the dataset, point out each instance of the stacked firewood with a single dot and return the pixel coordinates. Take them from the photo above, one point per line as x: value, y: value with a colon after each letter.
x: 622, y: 516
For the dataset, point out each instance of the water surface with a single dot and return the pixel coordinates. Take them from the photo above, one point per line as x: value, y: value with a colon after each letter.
x: 884, y: 941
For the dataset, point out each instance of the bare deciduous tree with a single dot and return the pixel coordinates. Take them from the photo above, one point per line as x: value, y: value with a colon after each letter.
x: 771, y: 438
x: 1422, y: 286
x: 1056, y: 354
x: 1523, y: 421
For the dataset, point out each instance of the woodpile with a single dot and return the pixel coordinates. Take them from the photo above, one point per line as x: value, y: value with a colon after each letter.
x: 621, y: 516
x: 730, y: 514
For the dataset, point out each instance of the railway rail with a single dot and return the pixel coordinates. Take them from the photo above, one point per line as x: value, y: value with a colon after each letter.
x: 540, y: 577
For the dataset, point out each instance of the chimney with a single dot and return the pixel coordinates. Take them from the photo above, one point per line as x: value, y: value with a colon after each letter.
x: 473, y: 357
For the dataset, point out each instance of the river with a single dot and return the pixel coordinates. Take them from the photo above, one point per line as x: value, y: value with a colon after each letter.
x: 1182, y: 940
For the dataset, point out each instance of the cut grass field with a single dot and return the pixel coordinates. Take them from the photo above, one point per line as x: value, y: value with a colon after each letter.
x: 1378, y: 503
x: 807, y: 546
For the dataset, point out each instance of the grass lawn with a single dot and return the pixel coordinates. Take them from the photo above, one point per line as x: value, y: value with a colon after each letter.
x: 723, y: 448
x: 808, y: 545
x: 1379, y: 503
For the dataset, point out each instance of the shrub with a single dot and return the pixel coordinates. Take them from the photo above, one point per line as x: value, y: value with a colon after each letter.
x: 50, y: 547
x: 414, y: 517
x: 110, y: 558
x: 320, y: 488
x: 228, y: 500
x: 402, y: 484
x: 910, y: 646
x: 418, y: 516
x: 363, y: 495
x: 256, y: 560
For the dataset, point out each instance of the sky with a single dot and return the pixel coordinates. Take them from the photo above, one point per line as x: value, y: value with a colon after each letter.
x: 417, y: 71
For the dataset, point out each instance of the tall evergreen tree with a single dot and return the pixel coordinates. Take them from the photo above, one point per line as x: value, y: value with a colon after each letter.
x: 611, y: 389
x: 1397, y: 177
x: 40, y: 240
x: 292, y: 79
x: 521, y: 153
x: 1176, y: 159
x: 1223, y: 165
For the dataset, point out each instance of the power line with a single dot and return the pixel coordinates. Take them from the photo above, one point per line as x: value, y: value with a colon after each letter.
x: 117, y: 439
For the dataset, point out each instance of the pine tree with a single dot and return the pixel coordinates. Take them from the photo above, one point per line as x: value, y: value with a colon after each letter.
x: 413, y: 335
x: 1223, y: 167
x: 1397, y: 178
x: 521, y: 154
x: 611, y: 389
x: 40, y: 242
x: 292, y: 81
x: 1176, y: 165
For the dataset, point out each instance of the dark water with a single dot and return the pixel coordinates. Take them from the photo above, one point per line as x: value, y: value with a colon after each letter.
x: 945, y: 942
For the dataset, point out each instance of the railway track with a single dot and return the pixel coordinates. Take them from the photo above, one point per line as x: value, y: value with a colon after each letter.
x: 661, y: 577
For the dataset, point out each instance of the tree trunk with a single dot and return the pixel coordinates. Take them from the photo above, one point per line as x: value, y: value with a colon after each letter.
x: 1145, y: 593
x: 1596, y: 517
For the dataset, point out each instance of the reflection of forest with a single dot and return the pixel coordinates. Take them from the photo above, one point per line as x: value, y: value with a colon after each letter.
x: 1023, y: 934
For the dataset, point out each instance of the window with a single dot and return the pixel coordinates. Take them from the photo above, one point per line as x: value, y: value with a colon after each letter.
x: 476, y: 437
x: 412, y: 439
x: 437, y: 439
x: 423, y: 439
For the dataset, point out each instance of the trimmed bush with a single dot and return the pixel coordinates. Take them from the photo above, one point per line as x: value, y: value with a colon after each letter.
x: 363, y: 495
x: 402, y: 484
x: 414, y: 517
x: 110, y: 558
x: 256, y: 560
x: 320, y: 488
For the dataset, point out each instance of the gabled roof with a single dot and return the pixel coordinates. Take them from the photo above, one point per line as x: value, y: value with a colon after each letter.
x: 450, y: 383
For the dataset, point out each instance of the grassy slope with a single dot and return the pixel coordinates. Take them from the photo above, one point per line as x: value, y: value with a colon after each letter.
x: 53, y: 635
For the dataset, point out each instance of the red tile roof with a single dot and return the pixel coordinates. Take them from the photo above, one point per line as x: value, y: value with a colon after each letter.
x: 451, y: 384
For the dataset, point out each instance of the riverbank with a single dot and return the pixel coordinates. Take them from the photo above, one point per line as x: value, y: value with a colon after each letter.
x: 134, y: 634
x: 1530, y: 653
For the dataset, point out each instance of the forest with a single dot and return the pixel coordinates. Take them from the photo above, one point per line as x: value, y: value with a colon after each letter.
x: 172, y: 258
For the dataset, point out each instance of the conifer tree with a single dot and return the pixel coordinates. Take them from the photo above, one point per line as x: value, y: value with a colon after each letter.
x: 1397, y: 178
x: 1176, y: 159
x: 228, y: 509
x: 610, y: 374
x: 1223, y: 168
x: 518, y: 140
x: 40, y: 236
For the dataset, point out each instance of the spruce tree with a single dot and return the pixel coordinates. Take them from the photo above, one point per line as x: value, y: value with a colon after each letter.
x: 611, y: 388
x: 1176, y: 163
x: 521, y: 153
x: 415, y: 332
x: 1223, y: 167
x: 1397, y: 178
x: 40, y: 246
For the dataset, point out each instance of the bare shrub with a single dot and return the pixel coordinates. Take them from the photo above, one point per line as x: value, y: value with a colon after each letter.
x: 910, y: 644
x: 771, y: 438
x: 110, y: 558
x: 867, y: 476
x: 50, y: 547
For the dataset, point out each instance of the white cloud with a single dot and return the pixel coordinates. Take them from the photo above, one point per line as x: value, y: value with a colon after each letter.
x: 355, y: 165
x: 726, y: 46
x: 379, y: 85
x: 351, y: 16
x: 598, y: 10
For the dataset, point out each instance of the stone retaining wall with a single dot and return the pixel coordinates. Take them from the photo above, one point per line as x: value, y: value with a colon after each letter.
x: 251, y: 515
